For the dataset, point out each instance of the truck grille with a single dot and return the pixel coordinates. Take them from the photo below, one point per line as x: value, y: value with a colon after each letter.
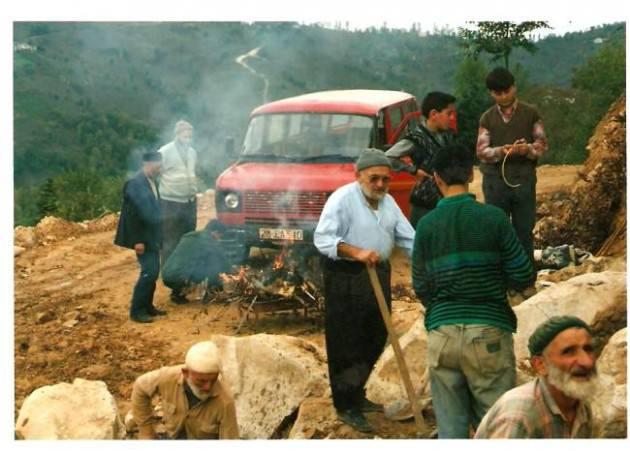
x: 307, y: 203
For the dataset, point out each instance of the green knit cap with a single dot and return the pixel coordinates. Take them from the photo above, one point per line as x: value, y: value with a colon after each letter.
x: 372, y: 157
x: 547, y: 331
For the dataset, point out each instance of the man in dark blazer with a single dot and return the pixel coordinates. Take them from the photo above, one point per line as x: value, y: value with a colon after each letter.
x: 139, y: 228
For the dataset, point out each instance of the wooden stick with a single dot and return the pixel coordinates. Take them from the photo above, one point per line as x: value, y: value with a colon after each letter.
x: 249, y: 309
x: 400, y: 358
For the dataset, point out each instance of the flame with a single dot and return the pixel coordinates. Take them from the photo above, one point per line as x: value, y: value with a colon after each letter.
x: 240, y: 277
x: 278, y: 262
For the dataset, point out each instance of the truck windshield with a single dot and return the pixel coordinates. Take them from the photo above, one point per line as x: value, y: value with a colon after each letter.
x: 307, y: 136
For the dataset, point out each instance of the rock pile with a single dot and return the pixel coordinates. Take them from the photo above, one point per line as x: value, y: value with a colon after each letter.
x: 594, y: 207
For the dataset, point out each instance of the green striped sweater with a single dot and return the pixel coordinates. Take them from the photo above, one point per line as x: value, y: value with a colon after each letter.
x: 465, y: 257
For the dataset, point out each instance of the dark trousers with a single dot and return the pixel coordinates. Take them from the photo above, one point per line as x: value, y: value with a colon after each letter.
x: 355, y: 332
x: 518, y: 203
x: 178, y: 218
x: 142, y: 298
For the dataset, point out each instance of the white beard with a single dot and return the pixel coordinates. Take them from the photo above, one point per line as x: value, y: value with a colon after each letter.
x: 372, y: 195
x: 571, y: 387
x: 198, y: 393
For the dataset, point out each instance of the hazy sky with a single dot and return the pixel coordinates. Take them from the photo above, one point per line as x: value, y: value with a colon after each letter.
x: 564, y: 15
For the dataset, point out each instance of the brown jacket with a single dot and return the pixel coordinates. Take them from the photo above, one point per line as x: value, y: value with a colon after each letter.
x: 210, y: 419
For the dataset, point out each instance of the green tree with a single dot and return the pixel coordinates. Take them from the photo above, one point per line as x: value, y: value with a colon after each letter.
x: 603, y: 75
x: 47, y: 198
x: 472, y: 99
x: 499, y: 39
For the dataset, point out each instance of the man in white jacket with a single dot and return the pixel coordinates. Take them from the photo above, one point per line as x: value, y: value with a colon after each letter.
x: 178, y: 189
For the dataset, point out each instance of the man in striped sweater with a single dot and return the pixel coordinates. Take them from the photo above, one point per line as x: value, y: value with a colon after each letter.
x: 465, y: 257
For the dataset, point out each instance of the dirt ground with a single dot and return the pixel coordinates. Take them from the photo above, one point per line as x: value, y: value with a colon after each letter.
x: 71, y: 311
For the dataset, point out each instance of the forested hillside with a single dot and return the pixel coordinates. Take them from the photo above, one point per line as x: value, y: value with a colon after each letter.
x: 89, y: 97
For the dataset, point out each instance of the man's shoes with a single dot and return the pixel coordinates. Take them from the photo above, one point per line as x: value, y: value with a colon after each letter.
x: 156, y: 312
x: 369, y: 406
x: 178, y: 298
x: 141, y: 318
x: 355, y: 419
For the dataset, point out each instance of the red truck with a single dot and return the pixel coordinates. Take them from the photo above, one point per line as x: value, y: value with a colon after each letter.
x: 296, y: 152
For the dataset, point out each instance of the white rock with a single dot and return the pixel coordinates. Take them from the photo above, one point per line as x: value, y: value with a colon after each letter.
x: 596, y: 298
x: 270, y: 376
x: 610, y: 404
x: 385, y: 385
x: 81, y: 410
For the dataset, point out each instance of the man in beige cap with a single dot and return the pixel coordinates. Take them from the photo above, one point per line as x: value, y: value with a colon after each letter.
x: 178, y: 189
x: 196, y: 401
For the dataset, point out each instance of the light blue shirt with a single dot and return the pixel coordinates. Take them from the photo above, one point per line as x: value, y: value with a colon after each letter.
x: 348, y: 218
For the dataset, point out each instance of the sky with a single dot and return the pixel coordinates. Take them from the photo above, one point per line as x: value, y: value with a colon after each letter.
x: 563, y: 16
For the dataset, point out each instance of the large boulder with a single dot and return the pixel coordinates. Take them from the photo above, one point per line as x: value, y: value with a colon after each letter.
x: 385, y: 385
x: 81, y: 410
x: 270, y: 376
x: 599, y: 299
x: 610, y: 408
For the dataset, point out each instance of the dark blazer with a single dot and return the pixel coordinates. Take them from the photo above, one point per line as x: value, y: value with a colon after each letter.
x: 140, y: 215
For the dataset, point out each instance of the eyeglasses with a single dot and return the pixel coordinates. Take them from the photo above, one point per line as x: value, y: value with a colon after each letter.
x: 383, y: 178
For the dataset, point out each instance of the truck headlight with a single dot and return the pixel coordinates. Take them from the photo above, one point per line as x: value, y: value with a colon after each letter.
x: 231, y: 201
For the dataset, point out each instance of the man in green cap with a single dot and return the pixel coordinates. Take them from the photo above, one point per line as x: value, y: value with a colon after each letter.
x: 359, y: 225
x: 555, y: 404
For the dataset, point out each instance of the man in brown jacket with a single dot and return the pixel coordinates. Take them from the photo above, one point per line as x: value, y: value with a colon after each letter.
x: 197, y: 403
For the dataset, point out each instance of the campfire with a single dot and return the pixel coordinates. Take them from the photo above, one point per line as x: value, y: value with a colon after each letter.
x: 284, y: 284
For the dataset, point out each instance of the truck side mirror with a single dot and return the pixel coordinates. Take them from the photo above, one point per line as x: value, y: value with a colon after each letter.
x: 229, y: 146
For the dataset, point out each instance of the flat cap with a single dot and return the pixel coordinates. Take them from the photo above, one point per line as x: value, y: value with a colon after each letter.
x: 152, y: 156
x: 547, y: 331
x: 372, y: 157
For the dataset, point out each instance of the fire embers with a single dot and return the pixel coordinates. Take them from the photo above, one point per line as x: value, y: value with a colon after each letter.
x: 286, y: 282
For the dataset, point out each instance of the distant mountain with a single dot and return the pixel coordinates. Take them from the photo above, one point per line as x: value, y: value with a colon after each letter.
x: 95, y: 94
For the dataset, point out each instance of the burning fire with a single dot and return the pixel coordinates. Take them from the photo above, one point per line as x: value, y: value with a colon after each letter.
x: 278, y: 262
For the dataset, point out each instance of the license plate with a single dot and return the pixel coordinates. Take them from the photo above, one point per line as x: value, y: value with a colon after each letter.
x: 281, y: 234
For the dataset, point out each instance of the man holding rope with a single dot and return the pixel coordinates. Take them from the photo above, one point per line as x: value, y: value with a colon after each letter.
x: 511, y: 139
x: 359, y: 225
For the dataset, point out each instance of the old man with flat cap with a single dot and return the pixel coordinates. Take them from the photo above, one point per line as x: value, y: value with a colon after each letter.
x: 555, y: 404
x: 139, y: 228
x: 360, y: 225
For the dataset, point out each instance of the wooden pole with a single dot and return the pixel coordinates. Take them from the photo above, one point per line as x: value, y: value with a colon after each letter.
x: 400, y: 358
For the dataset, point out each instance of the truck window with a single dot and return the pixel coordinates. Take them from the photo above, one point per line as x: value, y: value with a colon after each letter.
x: 395, y: 117
x: 308, y: 135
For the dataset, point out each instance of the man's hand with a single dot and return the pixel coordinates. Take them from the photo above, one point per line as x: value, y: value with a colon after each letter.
x: 520, y: 147
x: 368, y: 257
x: 139, y: 248
x: 421, y: 175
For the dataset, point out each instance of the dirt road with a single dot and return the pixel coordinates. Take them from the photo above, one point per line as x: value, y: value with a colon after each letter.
x: 71, y: 311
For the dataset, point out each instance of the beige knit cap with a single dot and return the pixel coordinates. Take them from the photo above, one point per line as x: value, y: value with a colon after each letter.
x: 182, y: 125
x: 203, y: 357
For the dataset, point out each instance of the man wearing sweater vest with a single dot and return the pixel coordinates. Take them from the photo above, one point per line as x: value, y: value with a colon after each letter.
x: 511, y: 130
x: 178, y: 189
x: 465, y: 257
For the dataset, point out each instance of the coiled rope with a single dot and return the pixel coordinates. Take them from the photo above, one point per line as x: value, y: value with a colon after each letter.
x: 507, y: 182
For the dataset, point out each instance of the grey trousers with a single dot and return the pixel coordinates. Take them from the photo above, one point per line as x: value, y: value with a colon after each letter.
x: 470, y: 367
